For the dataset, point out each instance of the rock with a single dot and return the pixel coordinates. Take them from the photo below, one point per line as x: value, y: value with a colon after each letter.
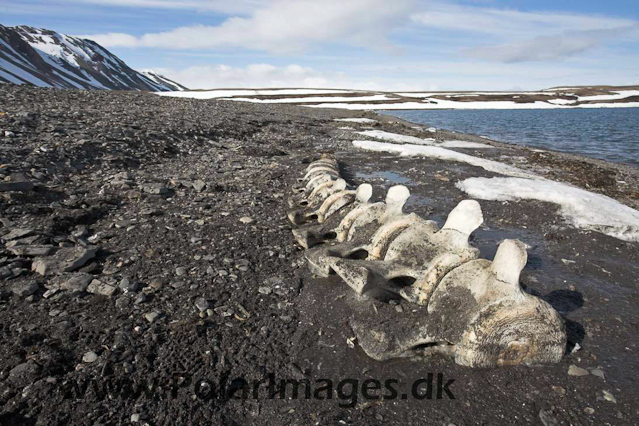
x: 573, y: 370
x: 123, y: 302
x: 17, y: 233
x: 246, y: 219
x: 141, y: 298
x: 202, y: 304
x: 589, y: 410
x: 127, y: 285
x: 103, y: 289
x: 24, y: 374
x: 67, y: 259
x: 50, y: 293
x: 24, y: 289
x: 561, y: 391
x: 77, y: 283
x: 156, y: 189
x: 34, y: 250
x: 224, y: 311
x: 135, y: 418
x: 151, y: 316
x: 181, y: 271
x: 90, y: 357
x: 199, y: 185
x: 264, y: 290
x: 599, y: 373
x: 548, y: 418
x: 609, y: 397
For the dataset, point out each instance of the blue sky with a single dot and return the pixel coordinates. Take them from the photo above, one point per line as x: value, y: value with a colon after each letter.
x: 363, y: 44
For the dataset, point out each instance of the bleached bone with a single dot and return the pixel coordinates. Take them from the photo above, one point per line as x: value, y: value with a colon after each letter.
x: 311, y: 235
x: 369, y: 231
x: 324, y: 161
x: 415, y: 260
x: 318, y: 171
x: 300, y: 196
x: 321, y: 170
x: 479, y: 315
x: 322, y: 192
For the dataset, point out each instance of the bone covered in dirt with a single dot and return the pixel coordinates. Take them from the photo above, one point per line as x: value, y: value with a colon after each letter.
x: 476, y: 310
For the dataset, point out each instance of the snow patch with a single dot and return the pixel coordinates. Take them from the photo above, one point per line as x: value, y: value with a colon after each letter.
x: 464, y: 144
x: 371, y: 98
x: 227, y: 93
x: 407, y: 150
x: 617, y: 95
x: 394, y: 137
x: 581, y: 208
x: 561, y: 101
x: 356, y: 120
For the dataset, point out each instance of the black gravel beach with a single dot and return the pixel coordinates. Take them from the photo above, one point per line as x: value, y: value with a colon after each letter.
x: 148, y: 272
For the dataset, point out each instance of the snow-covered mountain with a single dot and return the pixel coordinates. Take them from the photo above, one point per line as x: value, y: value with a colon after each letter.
x: 49, y: 59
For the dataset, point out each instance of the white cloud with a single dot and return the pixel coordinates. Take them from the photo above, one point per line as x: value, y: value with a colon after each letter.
x: 222, y: 6
x: 264, y: 76
x: 543, y: 48
x: 526, y: 36
x: 284, y: 26
x: 511, y: 23
x: 113, y: 40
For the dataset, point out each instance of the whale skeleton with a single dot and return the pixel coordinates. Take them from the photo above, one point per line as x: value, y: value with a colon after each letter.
x: 477, y: 311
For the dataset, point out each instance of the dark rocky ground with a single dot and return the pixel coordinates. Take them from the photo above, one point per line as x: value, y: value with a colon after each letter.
x: 176, y: 273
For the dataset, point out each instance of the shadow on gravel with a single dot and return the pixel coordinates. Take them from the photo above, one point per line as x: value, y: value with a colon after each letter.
x: 565, y: 301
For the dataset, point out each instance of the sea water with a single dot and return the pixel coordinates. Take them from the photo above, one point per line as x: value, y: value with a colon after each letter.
x: 610, y: 134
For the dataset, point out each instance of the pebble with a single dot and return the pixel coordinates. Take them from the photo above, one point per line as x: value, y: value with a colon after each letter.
x: 24, y: 289
x: 155, y: 189
x: 135, y: 418
x: 199, y: 185
x: 202, y: 304
x: 599, y: 373
x: 181, y: 271
x: 103, y: 289
x: 141, y: 298
x: 609, y: 397
x: 264, y: 290
x: 573, y: 370
x: 589, y: 410
x: 17, y: 233
x: 90, y: 357
x: 126, y: 285
x: 77, y: 283
x: 151, y: 316
x: 246, y: 219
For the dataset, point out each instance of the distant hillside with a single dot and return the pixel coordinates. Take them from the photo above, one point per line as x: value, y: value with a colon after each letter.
x: 49, y: 59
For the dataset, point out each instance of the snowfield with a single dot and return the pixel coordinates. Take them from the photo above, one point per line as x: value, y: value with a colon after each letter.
x: 394, y: 137
x: 552, y: 99
x: 407, y: 150
x: 446, y: 104
x: 581, y: 208
x: 356, y: 120
x: 227, y: 93
x: 315, y: 99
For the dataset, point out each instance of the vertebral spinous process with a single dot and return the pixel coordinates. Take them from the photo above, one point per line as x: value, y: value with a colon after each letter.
x: 477, y: 312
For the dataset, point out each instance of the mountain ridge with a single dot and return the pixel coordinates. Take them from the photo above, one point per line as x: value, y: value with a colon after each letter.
x: 46, y: 58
